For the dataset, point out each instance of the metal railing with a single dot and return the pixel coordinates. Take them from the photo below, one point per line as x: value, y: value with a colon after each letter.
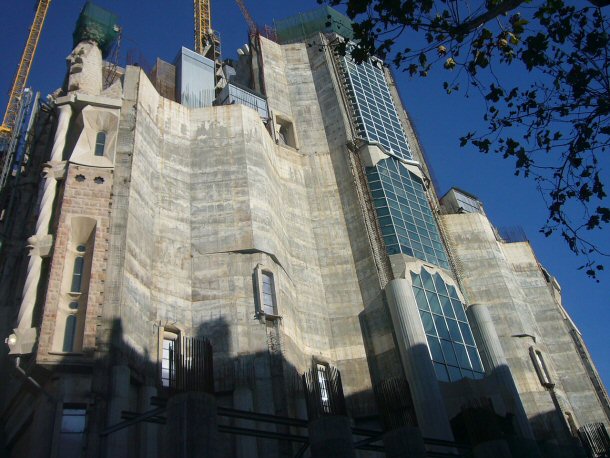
x: 323, y: 392
x: 191, y: 366
x: 595, y: 437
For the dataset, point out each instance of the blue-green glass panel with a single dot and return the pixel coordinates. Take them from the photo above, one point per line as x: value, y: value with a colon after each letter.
x: 446, y: 305
x: 474, y: 359
x: 441, y: 372
x: 468, y: 373
x: 440, y: 284
x: 435, y: 349
x: 427, y: 280
x: 406, y: 250
x: 435, y: 305
x: 459, y: 310
x: 420, y: 297
x: 441, y: 327
x: 462, y: 356
x: 454, y: 330
x: 428, y: 323
x: 387, y: 230
x: 390, y: 240
x: 468, y: 339
x: 385, y: 221
x: 448, y: 352
x: 454, y: 373
x: 383, y: 211
x: 452, y: 292
x: 392, y: 249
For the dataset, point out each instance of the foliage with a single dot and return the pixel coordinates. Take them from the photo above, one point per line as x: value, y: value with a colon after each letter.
x: 554, y: 123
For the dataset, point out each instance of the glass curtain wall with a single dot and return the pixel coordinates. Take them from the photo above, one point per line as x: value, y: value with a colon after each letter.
x: 407, y: 223
x: 403, y: 210
x: 404, y: 214
x: 450, y: 341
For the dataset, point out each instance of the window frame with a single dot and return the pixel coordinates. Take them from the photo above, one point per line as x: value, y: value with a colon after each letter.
x: 99, y: 148
x: 168, y: 335
x: 68, y: 410
x: 262, y: 310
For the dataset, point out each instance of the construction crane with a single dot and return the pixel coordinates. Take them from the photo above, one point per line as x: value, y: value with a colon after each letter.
x: 23, y: 71
x: 253, y: 28
x: 207, y: 41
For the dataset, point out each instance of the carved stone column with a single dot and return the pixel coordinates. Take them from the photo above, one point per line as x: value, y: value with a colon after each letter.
x: 413, y: 347
x: 40, y: 243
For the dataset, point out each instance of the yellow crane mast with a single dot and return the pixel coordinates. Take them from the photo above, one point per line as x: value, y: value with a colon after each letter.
x: 23, y: 71
x: 207, y: 41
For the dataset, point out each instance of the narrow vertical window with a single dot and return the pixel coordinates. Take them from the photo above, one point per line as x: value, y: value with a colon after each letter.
x: 77, y: 273
x: 72, y: 433
x: 100, y: 143
x: 322, y: 371
x: 168, y: 360
x: 268, y: 296
x: 69, y: 333
x: 540, y: 366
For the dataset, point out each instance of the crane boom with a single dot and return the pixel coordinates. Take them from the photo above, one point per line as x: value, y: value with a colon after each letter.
x: 247, y: 16
x: 25, y: 65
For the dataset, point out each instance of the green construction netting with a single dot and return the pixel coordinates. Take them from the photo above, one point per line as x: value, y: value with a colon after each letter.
x: 97, y: 24
x: 303, y: 25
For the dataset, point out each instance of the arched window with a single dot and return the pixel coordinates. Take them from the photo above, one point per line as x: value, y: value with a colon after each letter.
x: 69, y: 333
x: 100, y: 143
x: 77, y: 273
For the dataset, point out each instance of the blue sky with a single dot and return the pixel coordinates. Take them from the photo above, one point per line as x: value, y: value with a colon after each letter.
x: 157, y: 28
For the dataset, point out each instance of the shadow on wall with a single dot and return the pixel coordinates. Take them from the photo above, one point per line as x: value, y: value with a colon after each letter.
x: 126, y: 383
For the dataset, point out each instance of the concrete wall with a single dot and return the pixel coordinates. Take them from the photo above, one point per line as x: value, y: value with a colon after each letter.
x: 507, y: 278
x: 211, y: 196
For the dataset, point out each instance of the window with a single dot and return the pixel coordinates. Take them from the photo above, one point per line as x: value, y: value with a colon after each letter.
x: 100, y: 143
x: 72, y: 433
x: 322, y: 372
x: 402, y: 195
x: 168, y: 359
x: 69, y: 333
x: 540, y: 366
x: 77, y: 272
x: 452, y: 347
x: 265, y: 293
x: 268, y: 296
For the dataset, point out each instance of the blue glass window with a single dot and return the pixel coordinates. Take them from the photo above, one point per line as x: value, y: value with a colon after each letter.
x: 452, y: 347
x: 392, y: 196
x: 372, y: 102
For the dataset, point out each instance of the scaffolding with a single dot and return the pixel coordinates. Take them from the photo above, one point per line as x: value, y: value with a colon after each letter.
x: 303, y: 25
x: 96, y: 24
